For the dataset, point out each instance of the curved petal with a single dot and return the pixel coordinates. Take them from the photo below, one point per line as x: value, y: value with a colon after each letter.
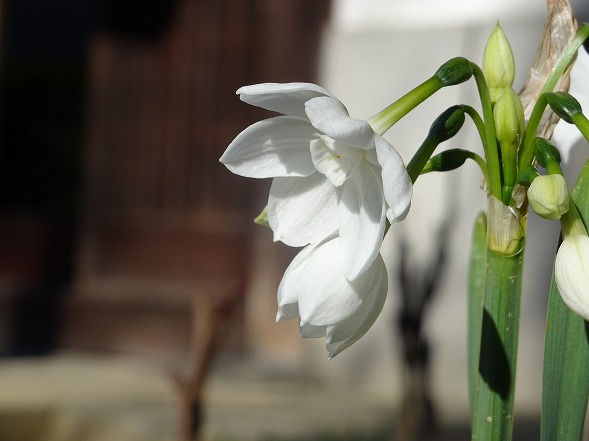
x: 310, y: 331
x: 362, y: 220
x: 285, y: 98
x: 302, y: 210
x: 374, y: 283
x: 571, y: 272
x: 397, y: 185
x: 336, y: 167
x: 331, y: 117
x: 273, y: 147
x: 289, y: 288
x: 327, y: 297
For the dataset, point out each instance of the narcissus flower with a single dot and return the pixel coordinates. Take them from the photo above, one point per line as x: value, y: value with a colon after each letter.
x: 571, y: 272
x: 329, y: 305
x: 332, y: 173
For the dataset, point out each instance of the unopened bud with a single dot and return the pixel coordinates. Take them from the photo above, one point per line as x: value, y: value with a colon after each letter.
x: 508, y: 113
x: 498, y: 63
x: 447, y: 160
x: 454, y: 71
x: 549, y: 196
x: 546, y: 152
x: 447, y: 124
x: 564, y: 105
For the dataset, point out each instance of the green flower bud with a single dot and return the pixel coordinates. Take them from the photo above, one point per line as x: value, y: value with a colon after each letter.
x: 564, y: 105
x: 508, y: 113
x: 545, y: 152
x: 447, y: 124
x: 549, y: 196
x: 447, y: 160
x: 498, y: 63
x: 454, y: 71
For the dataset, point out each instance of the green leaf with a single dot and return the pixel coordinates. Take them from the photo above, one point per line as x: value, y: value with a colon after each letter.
x: 566, y: 354
x: 492, y: 418
x: 476, y: 296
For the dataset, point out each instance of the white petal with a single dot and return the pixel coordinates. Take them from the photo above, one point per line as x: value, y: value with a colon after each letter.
x: 326, y: 296
x: 571, y: 272
x: 289, y: 288
x: 286, y: 98
x: 310, y: 331
x: 566, y: 135
x: 335, y: 167
x: 362, y: 219
x: 397, y: 185
x: 302, y: 210
x: 331, y: 117
x: 272, y: 147
x: 374, y: 283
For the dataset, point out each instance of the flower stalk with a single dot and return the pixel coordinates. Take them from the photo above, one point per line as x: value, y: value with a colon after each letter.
x: 454, y: 71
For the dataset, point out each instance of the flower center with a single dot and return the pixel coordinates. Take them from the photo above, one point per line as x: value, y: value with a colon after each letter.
x: 334, y: 159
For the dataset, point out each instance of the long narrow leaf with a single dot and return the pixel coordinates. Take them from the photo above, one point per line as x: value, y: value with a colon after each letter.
x: 476, y: 297
x: 493, y: 407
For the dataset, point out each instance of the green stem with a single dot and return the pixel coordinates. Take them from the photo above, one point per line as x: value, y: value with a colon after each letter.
x: 419, y: 160
x: 390, y: 115
x: 527, y: 150
x: 454, y: 71
x: 509, y: 156
x: 582, y: 124
x: 489, y: 141
x: 567, y: 55
x: 477, y: 120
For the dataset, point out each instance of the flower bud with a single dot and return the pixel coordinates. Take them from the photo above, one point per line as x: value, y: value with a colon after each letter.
x: 571, y: 273
x: 498, y: 63
x: 546, y: 152
x: 447, y: 124
x: 454, y: 71
x: 564, y: 105
x: 447, y: 160
x: 508, y: 113
x: 549, y: 196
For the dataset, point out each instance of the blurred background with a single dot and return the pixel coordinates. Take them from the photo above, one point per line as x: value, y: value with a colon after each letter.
x: 129, y: 264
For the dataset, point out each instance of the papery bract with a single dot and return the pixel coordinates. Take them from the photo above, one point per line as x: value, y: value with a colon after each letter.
x: 332, y: 173
x: 329, y: 305
x: 571, y: 272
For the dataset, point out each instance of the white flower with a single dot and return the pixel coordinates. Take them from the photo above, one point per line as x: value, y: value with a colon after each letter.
x: 329, y: 305
x: 571, y: 272
x: 567, y: 135
x: 332, y: 173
